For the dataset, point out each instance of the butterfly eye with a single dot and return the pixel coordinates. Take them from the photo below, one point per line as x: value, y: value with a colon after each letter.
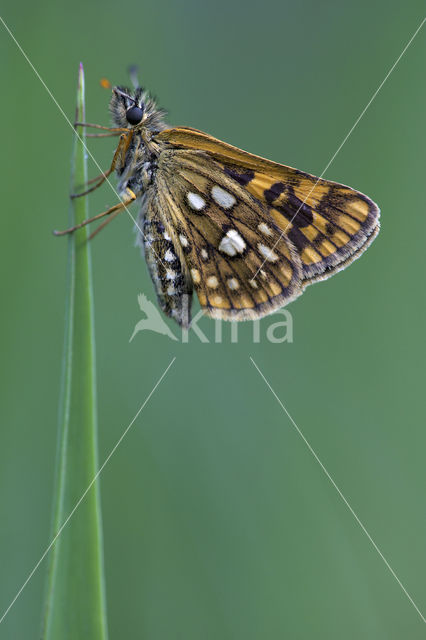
x: 134, y: 115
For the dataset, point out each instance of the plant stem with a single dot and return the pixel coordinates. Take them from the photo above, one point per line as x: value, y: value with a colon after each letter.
x: 75, y: 602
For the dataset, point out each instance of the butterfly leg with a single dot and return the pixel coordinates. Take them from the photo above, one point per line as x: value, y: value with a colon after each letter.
x: 113, y: 210
x: 100, y: 179
x: 104, y: 224
x: 102, y: 135
x: 99, y: 126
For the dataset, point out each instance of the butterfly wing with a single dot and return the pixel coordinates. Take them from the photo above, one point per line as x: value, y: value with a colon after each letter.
x: 226, y: 236
x: 328, y: 224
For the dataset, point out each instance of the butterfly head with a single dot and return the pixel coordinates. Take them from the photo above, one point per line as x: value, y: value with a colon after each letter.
x: 127, y: 107
x: 134, y: 109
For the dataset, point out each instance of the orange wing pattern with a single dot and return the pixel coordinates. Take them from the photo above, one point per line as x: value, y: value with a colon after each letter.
x: 327, y: 223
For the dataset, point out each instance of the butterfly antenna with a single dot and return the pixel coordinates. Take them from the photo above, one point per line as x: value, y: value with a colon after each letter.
x: 119, y: 92
x: 133, y: 73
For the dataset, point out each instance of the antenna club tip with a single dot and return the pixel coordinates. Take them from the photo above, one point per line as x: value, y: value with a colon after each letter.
x: 132, y: 70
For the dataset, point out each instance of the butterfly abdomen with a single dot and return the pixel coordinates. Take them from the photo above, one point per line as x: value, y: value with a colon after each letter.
x: 171, y: 280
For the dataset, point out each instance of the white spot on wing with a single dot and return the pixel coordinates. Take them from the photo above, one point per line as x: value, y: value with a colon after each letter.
x: 170, y: 274
x: 166, y: 236
x: 267, y: 253
x: 171, y: 290
x: 169, y: 256
x: 183, y: 240
x: 212, y: 282
x: 263, y: 228
x: 204, y: 254
x: 253, y: 283
x: 233, y: 283
x: 223, y: 198
x: 195, y: 276
x: 232, y: 243
x: 196, y: 202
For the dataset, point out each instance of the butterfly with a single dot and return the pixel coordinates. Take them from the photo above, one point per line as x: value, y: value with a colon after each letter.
x: 248, y: 234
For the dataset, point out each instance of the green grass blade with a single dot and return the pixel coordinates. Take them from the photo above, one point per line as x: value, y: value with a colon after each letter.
x: 75, y: 603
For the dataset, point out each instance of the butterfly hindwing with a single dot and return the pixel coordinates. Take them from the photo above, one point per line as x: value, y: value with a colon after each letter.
x: 226, y: 236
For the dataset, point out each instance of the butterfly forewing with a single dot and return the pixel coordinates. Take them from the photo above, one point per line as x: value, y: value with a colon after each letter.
x: 328, y: 224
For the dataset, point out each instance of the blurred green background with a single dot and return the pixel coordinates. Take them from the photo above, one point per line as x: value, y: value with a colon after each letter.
x: 218, y: 522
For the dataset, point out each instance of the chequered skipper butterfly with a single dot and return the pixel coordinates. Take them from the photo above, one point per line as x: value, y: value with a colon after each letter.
x: 246, y: 233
